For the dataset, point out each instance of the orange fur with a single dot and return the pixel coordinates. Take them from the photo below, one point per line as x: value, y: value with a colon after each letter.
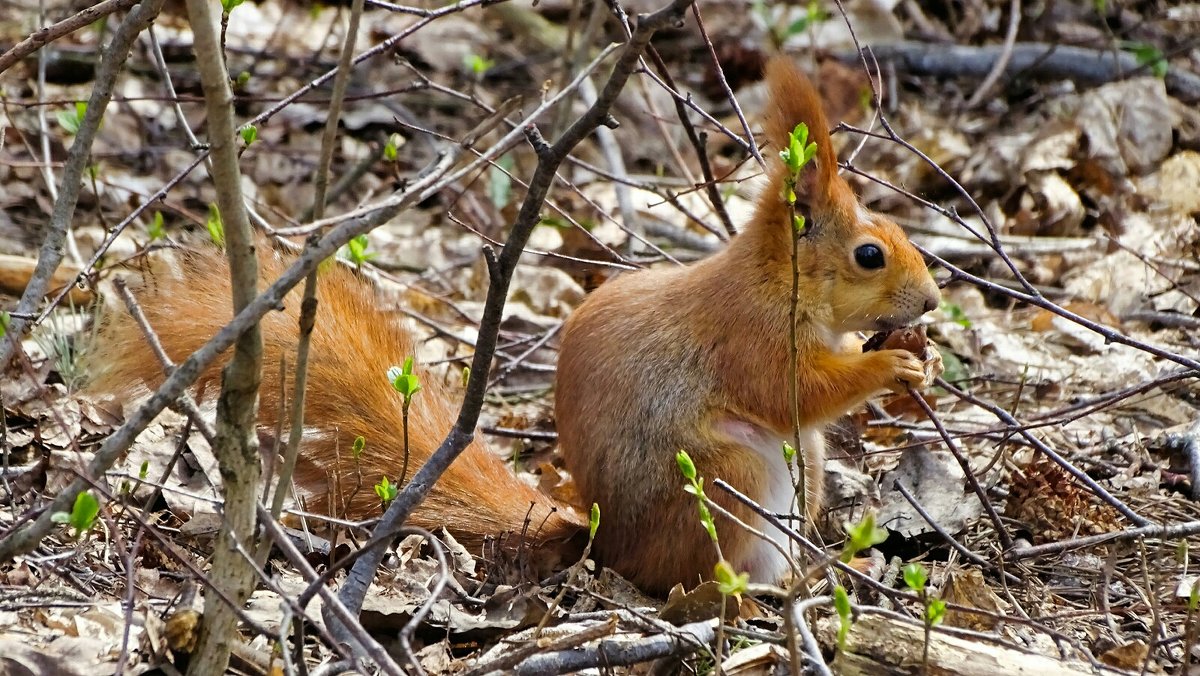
x: 695, y: 359
x: 353, y: 345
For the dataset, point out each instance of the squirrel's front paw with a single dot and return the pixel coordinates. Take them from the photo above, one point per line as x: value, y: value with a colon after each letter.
x: 903, y: 370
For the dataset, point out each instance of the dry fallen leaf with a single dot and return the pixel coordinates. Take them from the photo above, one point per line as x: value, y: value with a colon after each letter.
x: 967, y: 587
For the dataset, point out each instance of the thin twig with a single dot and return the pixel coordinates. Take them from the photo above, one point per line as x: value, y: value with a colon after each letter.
x: 1010, y: 39
x: 698, y: 142
x: 812, y: 649
x: 737, y: 109
x: 410, y: 627
x: 355, y: 633
x: 1080, y: 475
x: 1001, y: 532
x: 186, y: 403
x: 949, y: 539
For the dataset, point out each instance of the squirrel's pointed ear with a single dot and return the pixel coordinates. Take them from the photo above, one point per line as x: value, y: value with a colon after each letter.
x: 793, y: 100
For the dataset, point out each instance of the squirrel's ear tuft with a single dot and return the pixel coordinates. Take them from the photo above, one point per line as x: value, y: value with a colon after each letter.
x: 793, y: 99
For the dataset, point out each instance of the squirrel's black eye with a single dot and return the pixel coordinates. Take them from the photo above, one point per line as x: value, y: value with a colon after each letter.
x: 869, y: 256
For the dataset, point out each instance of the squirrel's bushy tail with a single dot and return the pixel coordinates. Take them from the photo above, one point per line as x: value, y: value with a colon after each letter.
x: 348, y: 395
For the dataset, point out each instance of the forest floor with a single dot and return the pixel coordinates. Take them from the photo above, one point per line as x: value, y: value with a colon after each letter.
x: 1045, y: 155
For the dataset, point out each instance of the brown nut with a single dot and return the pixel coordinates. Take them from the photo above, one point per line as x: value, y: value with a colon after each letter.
x: 911, y: 338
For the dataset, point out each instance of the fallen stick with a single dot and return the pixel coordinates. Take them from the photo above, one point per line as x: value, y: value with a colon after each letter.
x: 1080, y: 64
x: 16, y: 271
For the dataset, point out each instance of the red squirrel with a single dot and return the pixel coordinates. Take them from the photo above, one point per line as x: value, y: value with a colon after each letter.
x: 690, y: 358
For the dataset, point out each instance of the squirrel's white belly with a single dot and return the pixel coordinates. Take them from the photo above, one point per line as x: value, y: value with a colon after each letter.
x: 766, y: 563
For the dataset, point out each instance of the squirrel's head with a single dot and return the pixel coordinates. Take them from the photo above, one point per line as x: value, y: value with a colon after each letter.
x: 879, y: 280
x: 870, y: 276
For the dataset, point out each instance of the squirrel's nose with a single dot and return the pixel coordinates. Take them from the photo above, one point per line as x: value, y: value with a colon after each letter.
x: 931, y: 304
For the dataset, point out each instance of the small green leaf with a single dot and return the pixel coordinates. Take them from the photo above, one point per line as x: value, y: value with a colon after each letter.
x: 216, y: 227
x: 356, y: 449
x: 356, y: 252
x: 466, y: 375
x: 935, y: 612
x: 242, y: 80
x: 386, y: 491
x: 403, y: 380
x: 789, y: 453
x: 83, y: 514
x: 915, y: 577
x: 729, y: 581
x: 1194, y: 596
x: 798, y: 223
x: 955, y: 313
x: 144, y: 470
x: 392, y: 147
x: 1148, y: 55
x: 841, y: 603
x: 70, y: 120
x: 593, y: 521
x: 156, y: 229
x: 862, y: 535
x: 5, y: 320
x: 477, y: 64
x: 228, y: 6
x: 249, y: 134
x: 686, y: 466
